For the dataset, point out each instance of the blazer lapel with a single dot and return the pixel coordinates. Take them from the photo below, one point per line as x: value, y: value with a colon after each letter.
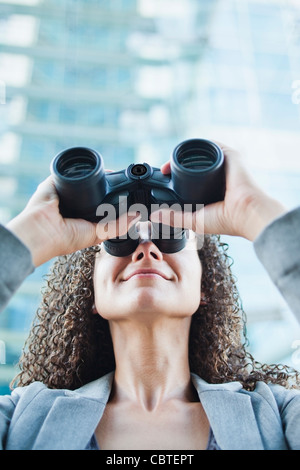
x: 230, y: 414
x: 73, y: 417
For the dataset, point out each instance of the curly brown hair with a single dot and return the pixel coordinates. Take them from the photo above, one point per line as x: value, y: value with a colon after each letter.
x: 69, y: 346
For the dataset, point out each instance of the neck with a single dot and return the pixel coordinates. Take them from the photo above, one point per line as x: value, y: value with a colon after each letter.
x: 152, y: 363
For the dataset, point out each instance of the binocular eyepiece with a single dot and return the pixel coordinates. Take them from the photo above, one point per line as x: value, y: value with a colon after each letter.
x: 197, y: 177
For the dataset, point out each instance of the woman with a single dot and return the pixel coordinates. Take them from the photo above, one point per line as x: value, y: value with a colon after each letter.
x: 130, y: 353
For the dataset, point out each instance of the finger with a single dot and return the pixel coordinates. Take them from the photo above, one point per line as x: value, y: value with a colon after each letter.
x: 45, y: 192
x: 181, y: 219
x: 107, y: 229
x: 126, y: 221
x: 84, y: 234
x: 224, y: 147
x: 207, y: 220
x: 166, y: 168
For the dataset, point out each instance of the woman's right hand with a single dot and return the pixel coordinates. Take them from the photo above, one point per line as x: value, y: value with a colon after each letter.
x: 41, y: 227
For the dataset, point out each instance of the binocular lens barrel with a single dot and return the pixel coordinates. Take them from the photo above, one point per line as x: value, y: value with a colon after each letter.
x: 197, y: 168
x: 76, y: 166
x: 197, y: 177
x: 79, y: 178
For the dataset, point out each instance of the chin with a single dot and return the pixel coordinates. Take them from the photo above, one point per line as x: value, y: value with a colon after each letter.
x: 147, y: 299
x: 149, y: 306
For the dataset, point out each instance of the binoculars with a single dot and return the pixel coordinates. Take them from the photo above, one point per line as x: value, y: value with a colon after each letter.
x: 85, y: 189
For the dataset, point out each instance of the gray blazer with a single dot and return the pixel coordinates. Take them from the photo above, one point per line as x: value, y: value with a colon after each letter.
x: 35, y: 417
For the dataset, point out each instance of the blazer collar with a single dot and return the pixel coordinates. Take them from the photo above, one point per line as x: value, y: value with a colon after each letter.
x: 98, y: 389
x: 81, y: 410
x: 230, y: 414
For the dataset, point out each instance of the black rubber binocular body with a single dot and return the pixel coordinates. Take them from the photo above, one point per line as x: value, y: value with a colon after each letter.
x: 84, y: 189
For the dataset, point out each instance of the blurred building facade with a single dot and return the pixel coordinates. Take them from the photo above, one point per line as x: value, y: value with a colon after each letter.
x: 131, y: 79
x: 102, y: 74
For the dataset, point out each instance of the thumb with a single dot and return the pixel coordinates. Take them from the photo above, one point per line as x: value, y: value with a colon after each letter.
x: 213, y: 218
x: 180, y: 219
x: 207, y: 220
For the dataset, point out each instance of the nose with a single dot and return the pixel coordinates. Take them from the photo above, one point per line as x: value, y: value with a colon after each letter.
x: 146, y: 248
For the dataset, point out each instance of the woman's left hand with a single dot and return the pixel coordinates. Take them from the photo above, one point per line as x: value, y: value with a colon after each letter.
x: 245, y: 211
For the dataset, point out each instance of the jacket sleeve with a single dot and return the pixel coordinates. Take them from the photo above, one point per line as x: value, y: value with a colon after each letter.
x: 288, y: 402
x: 12, y: 408
x: 15, y: 265
x: 7, y: 408
x: 278, y: 249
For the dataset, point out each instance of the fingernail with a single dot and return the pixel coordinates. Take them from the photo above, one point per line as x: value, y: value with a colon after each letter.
x: 134, y: 215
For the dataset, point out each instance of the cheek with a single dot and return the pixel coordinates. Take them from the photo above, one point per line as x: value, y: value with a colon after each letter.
x: 190, y: 282
x: 195, y: 272
x: 193, y: 288
x: 102, y: 286
x: 99, y: 276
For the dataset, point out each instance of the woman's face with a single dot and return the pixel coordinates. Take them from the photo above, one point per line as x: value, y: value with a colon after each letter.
x: 147, y: 282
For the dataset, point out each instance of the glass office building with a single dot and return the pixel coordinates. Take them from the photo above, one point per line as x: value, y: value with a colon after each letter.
x: 109, y: 75
x: 131, y: 79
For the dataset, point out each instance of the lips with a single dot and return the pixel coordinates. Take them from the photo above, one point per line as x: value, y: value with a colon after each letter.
x: 147, y: 272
